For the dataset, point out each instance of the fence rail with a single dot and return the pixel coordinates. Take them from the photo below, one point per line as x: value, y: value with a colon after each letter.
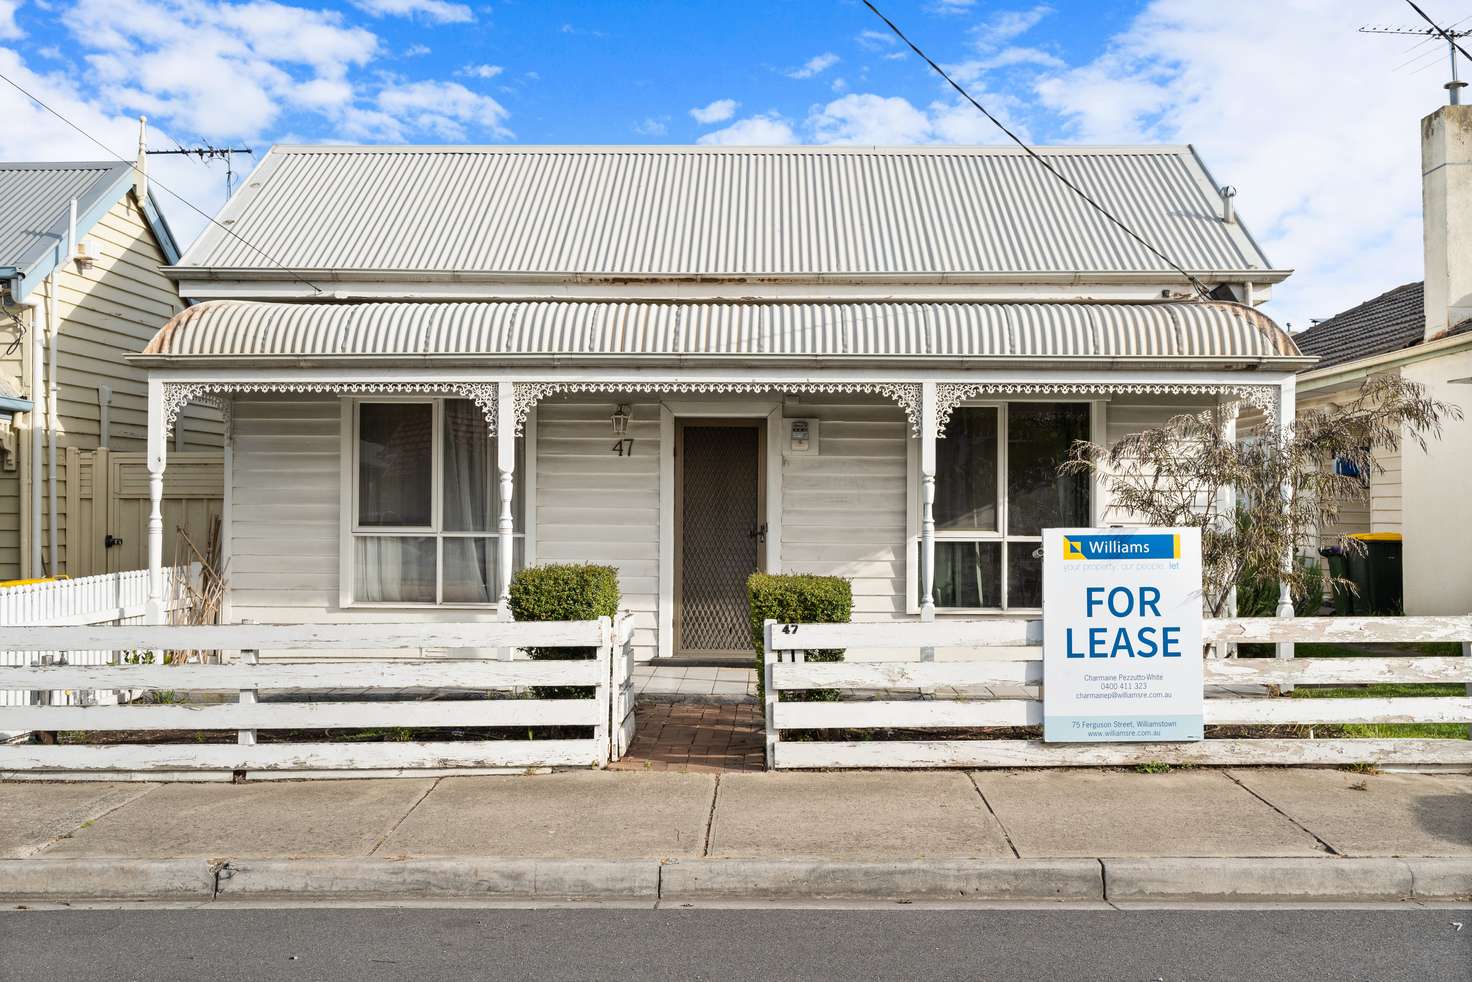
x: 1018, y: 663
x: 108, y: 598
x: 502, y: 682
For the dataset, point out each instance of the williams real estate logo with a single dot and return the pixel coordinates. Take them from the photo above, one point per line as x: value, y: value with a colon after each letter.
x: 1123, y: 546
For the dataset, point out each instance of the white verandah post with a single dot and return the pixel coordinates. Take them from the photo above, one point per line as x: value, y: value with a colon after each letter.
x: 927, y: 500
x: 506, y: 468
x: 1286, y: 408
x: 158, y: 451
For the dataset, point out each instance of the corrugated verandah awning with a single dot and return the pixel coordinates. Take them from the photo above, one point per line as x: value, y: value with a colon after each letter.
x: 241, y: 332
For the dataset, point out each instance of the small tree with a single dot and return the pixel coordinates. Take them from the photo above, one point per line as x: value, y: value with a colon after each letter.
x: 1291, y: 477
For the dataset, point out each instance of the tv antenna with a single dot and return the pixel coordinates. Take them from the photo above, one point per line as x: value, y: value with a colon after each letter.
x: 1455, y: 86
x: 205, y: 154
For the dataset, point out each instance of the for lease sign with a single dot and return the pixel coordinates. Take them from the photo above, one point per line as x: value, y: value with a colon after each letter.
x: 1122, y: 634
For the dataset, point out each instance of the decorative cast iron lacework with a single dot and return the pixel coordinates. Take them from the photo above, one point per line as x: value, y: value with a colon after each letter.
x: 949, y: 395
x: 177, y: 395
x: 905, y: 394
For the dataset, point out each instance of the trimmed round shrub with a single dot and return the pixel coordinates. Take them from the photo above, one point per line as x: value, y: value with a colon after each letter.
x: 795, y: 598
x: 564, y: 592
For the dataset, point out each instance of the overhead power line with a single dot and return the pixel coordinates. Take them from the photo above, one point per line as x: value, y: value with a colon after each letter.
x: 1445, y: 35
x: 1042, y: 161
x: 133, y: 164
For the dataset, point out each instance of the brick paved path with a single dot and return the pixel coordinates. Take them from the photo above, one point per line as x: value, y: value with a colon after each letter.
x: 696, y: 738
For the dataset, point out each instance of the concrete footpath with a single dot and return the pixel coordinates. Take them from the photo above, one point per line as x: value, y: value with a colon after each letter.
x: 1197, y: 835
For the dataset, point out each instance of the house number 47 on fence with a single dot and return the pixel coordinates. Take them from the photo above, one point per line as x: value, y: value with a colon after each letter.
x: 1122, y: 635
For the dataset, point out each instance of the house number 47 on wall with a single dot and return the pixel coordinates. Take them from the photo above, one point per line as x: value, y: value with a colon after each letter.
x: 624, y: 447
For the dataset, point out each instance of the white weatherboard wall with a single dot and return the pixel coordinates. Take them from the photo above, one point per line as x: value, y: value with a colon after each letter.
x: 1125, y: 415
x: 285, y: 510
x: 843, y: 509
x: 594, y: 506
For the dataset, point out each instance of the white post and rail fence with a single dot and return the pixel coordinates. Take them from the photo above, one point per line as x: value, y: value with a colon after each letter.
x: 865, y: 714
x: 493, y: 693
x: 108, y: 598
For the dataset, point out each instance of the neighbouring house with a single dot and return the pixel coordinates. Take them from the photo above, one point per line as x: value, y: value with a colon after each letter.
x: 439, y: 363
x: 1422, y: 332
x: 82, y: 246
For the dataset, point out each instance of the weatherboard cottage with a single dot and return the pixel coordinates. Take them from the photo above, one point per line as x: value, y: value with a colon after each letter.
x: 439, y: 363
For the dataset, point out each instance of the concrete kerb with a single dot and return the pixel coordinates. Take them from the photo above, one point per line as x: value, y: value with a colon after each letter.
x: 979, y: 879
x: 1159, y: 880
x: 463, y: 878
x: 106, y: 879
x: 1285, y: 880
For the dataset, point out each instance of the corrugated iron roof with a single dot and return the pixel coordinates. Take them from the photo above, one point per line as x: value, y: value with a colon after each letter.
x: 569, y: 330
x: 35, y: 200
x: 706, y: 211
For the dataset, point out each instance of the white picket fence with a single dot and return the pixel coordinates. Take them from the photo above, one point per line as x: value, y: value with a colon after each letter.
x: 109, y: 598
x: 503, y: 682
x: 787, y: 671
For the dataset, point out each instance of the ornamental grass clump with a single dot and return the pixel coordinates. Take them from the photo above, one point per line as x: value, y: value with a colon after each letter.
x: 797, y: 599
x: 564, y: 592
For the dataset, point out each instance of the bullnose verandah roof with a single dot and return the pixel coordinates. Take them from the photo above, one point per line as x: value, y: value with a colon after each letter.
x: 561, y: 331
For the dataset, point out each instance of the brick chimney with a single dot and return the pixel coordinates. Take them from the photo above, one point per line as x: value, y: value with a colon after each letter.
x: 1446, y: 208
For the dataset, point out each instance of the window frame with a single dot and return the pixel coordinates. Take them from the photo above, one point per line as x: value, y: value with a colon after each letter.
x: 1002, y: 535
x: 352, y: 529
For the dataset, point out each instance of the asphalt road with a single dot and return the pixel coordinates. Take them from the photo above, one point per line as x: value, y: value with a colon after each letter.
x: 428, y: 945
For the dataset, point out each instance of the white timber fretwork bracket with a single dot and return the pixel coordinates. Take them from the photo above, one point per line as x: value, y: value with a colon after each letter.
x: 904, y: 394
x: 177, y: 395
x: 950, y: 395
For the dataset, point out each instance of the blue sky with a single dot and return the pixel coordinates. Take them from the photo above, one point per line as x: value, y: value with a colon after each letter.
x: 1314, y: 124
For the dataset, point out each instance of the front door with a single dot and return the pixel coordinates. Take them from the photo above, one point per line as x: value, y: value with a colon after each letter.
x: 720, y: 532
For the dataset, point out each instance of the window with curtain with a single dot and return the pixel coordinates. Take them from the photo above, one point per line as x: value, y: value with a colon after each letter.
x: 428, y: 504
x: 997, y: 487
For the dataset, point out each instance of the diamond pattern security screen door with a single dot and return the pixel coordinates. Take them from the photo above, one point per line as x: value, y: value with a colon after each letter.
x: 721, y: 534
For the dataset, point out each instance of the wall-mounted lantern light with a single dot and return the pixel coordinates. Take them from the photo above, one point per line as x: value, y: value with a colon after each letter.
x: 620, y: 418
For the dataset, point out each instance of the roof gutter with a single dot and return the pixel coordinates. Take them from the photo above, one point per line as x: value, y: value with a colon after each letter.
x: 484, y: 360
x: 1068, y: 278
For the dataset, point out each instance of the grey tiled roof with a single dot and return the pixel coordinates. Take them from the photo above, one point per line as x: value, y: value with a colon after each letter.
x: 1389, y: 322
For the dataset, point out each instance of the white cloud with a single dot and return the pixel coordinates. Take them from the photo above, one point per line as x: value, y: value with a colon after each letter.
x: 875, y: 40
x: 870, y: 119
x: 815, y: 66
x: 8, y: 27
x: 446, y: 109
x: 435, y: 11
x: 481, y: 71
x: 650, y: 126
x: 1005, y: 25
x: 217, y: 70
x: 417, y: 50
x: 1308, y: 120
x: 32, y: 133
x: 767, y: 130
x: 716, y: 112
x: 951, y: 6
x: 222, y: 70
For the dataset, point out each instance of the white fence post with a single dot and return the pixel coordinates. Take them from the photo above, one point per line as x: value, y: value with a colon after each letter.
x: 248, y: 697
x: 1467, y: 653
x: 601, y: 729
x: 769, y: 691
